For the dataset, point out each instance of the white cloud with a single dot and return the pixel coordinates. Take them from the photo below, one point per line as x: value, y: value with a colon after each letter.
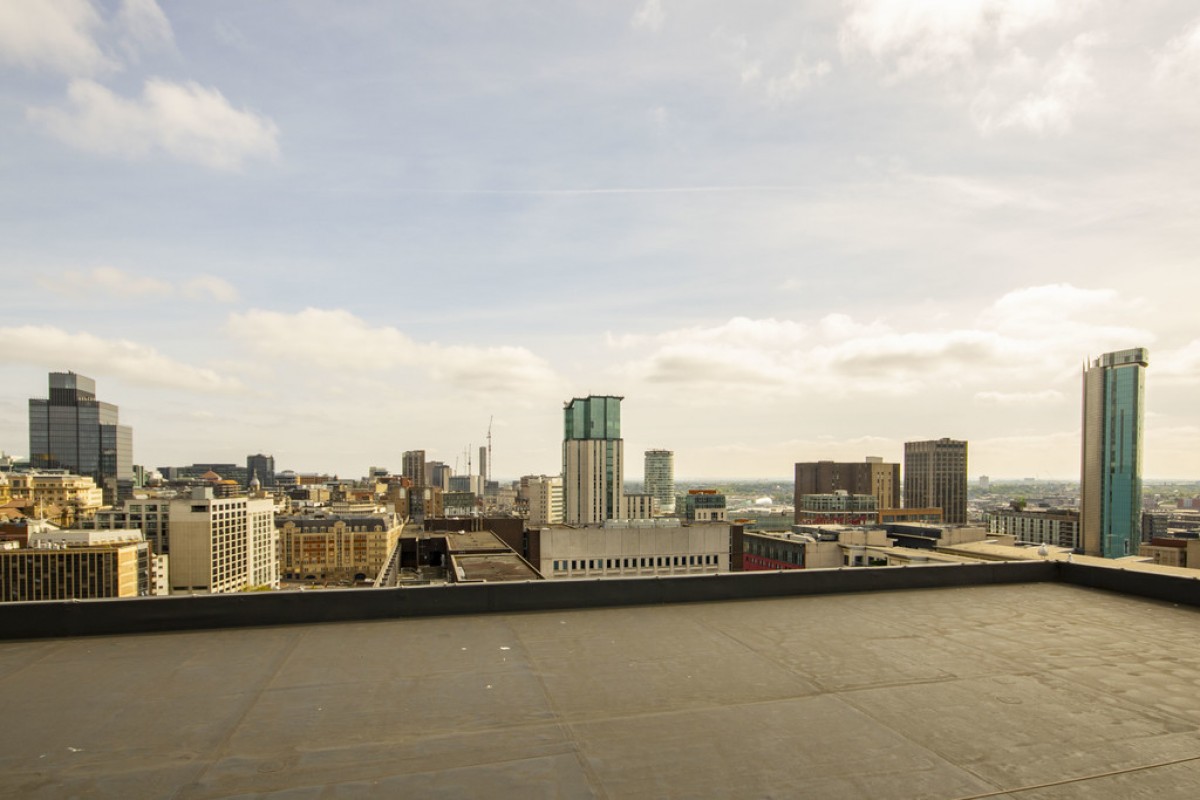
x: 1177, y: 66
x: 108, y: 280
x: 70, y: 36
x: 1180, y: 366
x: 133, y: 361
x: 337, y: 340
x: 119, y: 283
x: 186, y: 121
x: 649, y: 16
x: 934, y: 36
x: 786, y: 88
x: 1063, y: 85
x: 1084, y: 321
x: 999, y: 55
x: 780, y: 76
x: 57, y: 35
x: 143, y: 26
x: 204, y: 287
x: 1025, y: 338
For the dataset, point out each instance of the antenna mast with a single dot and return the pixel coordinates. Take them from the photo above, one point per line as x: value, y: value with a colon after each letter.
x: 489, y: 458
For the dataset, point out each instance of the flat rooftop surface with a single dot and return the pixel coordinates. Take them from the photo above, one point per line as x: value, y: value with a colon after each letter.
x: 1030, y: 691
x: 506, y: 566
x: 471, y: 541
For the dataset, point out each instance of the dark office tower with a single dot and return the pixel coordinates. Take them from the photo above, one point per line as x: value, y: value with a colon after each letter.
x: 593, y: 461
x: 414, y: 467
x: 1110, y: 485
x: 935, y: 476
x: 72, y: 430
x: 261, y: 467
x: 438, y: 474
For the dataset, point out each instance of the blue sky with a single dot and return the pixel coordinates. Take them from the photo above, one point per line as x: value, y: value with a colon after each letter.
x: 783, y: 231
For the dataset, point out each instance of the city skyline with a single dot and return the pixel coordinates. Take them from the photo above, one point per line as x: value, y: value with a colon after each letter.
x: 788, y: 233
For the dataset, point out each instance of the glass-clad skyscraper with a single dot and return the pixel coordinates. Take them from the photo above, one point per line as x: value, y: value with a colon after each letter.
x: 660, y: 479
x: 72, y: 430
x: 593, y: 460
x: 1110, y: 486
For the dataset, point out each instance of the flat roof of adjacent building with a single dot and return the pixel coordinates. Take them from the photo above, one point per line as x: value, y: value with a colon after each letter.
x: 470, y: 541
x: 493, y: 567
x: 1029, y: 690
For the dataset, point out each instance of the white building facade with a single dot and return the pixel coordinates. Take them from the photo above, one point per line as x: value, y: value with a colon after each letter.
x: 633, y: 549
x: 220, y: 545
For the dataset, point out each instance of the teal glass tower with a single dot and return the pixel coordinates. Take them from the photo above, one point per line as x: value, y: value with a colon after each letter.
x: 593, y: 460
x: 1110, y: 485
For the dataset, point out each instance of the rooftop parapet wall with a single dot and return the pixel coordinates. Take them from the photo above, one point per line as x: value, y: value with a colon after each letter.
x: 155, y: 614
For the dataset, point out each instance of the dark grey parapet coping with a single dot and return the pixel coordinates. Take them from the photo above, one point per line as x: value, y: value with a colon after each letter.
x: 1170, y: 588
x: 174, y: 613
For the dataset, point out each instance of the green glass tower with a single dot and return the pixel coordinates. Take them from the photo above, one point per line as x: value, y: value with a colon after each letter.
x: 1110, y: 486
x: 593, y: 460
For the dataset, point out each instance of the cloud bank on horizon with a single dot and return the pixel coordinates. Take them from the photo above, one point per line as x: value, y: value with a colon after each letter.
x: 783, y: 232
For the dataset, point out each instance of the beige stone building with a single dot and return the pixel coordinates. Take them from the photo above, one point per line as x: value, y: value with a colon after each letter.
x: 76, y: 497
x: 337, y: 548
x: 76, y: 565
x: 543, y: 499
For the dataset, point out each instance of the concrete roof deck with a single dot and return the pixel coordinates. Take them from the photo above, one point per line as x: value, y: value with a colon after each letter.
x: 494, y: 567
x: 1031, y: 691
x: 471, y: 541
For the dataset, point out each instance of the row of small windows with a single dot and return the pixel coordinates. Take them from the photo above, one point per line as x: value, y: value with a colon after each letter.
x: 645, y: 562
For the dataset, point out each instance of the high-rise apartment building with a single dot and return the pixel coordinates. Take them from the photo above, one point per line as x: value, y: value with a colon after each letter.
x: 1110, y: 484
x: 660, y: 479
x: 223, y: 544
x: 935, y: 476
x: 438, y: 474
x: 262, y: 467
x: 593, y: 460
x: 871, y: 476
x: 72, y: 430
x: 414, y: 467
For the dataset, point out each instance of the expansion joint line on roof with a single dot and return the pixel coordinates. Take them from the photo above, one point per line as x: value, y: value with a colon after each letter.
x: 1080, y: 779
